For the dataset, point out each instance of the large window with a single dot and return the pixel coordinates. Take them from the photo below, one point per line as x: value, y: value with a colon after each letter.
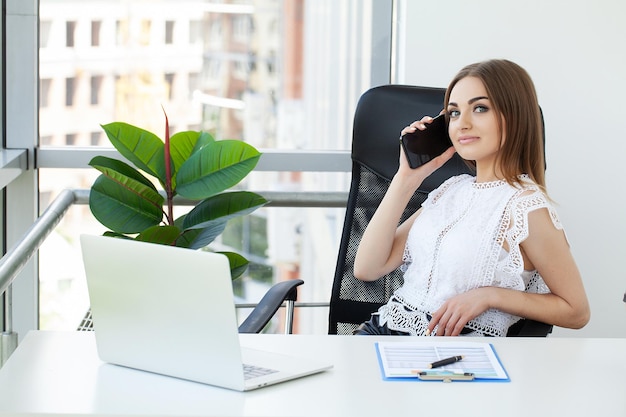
x: 280, y: 75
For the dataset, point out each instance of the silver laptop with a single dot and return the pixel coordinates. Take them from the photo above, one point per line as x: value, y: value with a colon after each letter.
x: 171, y: 311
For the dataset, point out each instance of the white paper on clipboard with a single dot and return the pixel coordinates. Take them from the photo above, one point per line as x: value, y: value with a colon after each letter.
x: 405, y: 359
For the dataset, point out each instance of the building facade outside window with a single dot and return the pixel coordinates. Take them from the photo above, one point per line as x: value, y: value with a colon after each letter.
x: 95, y: 32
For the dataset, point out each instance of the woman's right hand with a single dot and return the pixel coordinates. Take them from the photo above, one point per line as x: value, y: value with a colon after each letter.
x: 420, y: 173
x: 418, y: 124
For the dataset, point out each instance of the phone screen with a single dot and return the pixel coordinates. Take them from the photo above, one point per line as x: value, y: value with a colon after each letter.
x: 423, y: 145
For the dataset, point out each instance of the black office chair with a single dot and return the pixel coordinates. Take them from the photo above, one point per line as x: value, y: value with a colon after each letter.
x: 284, y: 292
x: 380, y: 115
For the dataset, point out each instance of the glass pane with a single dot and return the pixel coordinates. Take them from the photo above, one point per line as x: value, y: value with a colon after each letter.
x: 278, y: 74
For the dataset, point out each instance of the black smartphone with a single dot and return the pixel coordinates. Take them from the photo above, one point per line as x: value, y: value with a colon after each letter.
x: 423, y: 145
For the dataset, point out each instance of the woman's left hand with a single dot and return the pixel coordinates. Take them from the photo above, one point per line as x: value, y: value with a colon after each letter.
x: 454, y: 314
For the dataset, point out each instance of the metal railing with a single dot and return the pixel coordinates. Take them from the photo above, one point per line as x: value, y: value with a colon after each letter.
x: 18, y: 256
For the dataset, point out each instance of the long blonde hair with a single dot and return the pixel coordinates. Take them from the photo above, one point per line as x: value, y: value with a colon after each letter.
x: 512, y: 92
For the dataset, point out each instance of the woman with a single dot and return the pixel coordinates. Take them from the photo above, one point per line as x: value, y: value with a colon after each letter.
x: 482, y: 251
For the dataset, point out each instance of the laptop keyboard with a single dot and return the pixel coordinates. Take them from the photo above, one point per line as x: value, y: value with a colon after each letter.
x: 251, y: 371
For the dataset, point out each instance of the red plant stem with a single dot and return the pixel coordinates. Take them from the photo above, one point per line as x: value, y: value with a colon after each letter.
x: 168, y: 173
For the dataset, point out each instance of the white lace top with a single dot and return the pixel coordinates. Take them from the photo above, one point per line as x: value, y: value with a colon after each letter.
x: 458, y: 243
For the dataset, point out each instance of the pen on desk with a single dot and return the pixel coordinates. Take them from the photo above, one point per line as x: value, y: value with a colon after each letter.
x: 445, y: 362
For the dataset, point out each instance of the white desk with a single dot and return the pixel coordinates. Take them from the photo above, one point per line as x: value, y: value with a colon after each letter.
x: 59, y: 372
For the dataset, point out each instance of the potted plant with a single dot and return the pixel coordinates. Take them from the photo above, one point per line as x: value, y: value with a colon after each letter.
x: 192, y: 165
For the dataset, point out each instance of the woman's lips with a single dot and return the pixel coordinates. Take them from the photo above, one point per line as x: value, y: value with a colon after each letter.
x: 464, y: 140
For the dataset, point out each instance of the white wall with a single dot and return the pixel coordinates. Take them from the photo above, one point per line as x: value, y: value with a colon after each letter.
x: 575, y: 52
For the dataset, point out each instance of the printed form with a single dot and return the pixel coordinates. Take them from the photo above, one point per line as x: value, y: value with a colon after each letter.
x: 407, y: 359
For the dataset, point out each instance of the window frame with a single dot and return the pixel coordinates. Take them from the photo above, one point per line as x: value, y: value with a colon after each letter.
x: 20, y: 182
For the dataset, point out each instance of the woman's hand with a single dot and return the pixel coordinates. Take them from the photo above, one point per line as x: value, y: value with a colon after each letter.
x: 431, y: 166
x: 418, y: 124
x: 454, y: 314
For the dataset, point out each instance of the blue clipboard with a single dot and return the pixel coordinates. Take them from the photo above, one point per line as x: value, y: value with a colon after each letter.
x: 481, y: 362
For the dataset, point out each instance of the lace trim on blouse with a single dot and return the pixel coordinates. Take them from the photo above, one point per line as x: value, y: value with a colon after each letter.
x: 454, y: 247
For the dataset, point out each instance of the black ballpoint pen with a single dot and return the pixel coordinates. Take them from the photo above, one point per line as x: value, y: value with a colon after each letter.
x: 445, y: 362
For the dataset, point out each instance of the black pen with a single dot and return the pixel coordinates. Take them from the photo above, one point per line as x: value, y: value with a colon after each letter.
x: 445, y: 362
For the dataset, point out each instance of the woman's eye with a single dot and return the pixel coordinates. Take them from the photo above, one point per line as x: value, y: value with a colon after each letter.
x: 481, y: 109
x: 453, y: 113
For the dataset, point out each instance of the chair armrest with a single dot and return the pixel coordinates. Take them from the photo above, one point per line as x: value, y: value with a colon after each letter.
x: 269, y: 305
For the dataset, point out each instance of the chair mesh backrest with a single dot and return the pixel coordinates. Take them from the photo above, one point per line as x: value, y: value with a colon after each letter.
x: 382, y: 112
x: 356, y: 299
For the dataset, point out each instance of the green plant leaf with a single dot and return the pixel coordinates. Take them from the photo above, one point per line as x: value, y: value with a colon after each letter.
x: 116, y: 235
x: 215, y: 167
x: 128, y: 207
x: 211, y: 215
x: 198, y: 238
x: 204, y: 236
x: 182, y: 145
x: 164, y: 235
x: 223, y: 207
x: 142, y: 148
x: 131, y: 179
x: 238, y: 264
x: 111, y: 167
x: 186, y: 239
